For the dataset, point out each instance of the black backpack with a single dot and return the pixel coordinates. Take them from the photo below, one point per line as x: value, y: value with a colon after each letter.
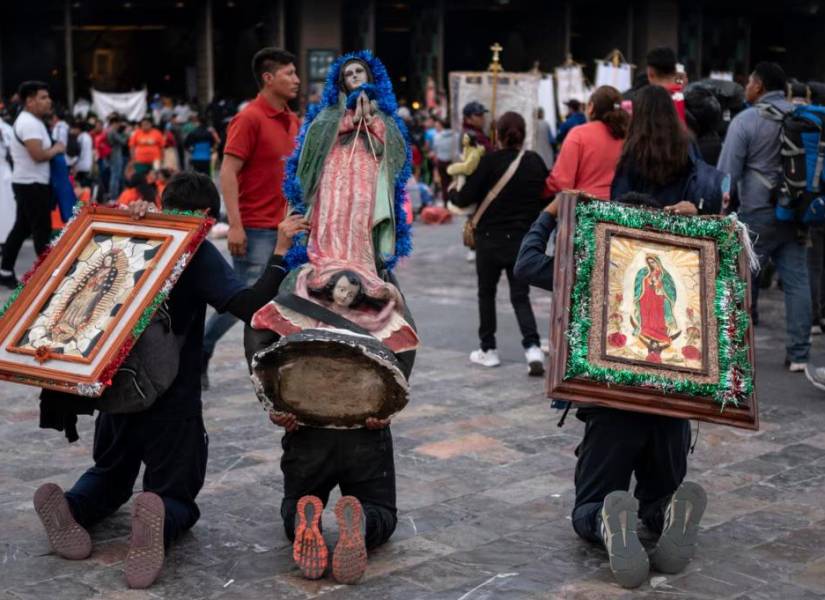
x: 800, y: 194
x: 148, y: 371
x: 72, y: 146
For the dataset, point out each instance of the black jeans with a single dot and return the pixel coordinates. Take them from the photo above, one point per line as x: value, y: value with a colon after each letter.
x: 200, y: 166
x: 359, y: 461
x: 497, y: 252
x: 34, y: 206
x: 617, y: 444
x: 174, y: 452
x: 816, y: 266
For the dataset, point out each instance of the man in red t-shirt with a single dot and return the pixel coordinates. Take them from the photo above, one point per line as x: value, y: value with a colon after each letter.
x: 259, y: 140
x: 661, y: 71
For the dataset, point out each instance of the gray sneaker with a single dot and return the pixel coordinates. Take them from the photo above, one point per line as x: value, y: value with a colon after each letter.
x: 628, y: 559
x: 677, y: 543
x: 816, y: 375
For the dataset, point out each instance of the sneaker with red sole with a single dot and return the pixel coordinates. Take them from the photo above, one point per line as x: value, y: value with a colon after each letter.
x: 66, y: 537
x: 144, y: 560
x: 309, y: 550
x: 349, y: 560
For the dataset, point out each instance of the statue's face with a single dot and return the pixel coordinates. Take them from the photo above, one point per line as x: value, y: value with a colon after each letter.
x: 355, y: 75
x: 344, y: 292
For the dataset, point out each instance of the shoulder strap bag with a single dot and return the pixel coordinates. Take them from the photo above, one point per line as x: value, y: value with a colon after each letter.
x: 472, y: 223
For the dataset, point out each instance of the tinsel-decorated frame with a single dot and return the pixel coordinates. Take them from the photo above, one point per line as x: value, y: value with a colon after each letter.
x: 730, y: 400
x: 181, y: 233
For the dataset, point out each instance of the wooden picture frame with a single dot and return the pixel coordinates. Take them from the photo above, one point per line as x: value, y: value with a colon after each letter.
x: 88, y: 299
x: 692, y: 354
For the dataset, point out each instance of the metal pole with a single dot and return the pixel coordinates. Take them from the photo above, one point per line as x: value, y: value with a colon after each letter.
x: 281, y: 42
x: 700, y: 42
x: 568, y: 27
x: 439, y: 47
x: 1, y: 64
x: 67, y: 42
x: 210, y: 52
x: 371, y: 25
x: 629, y: 54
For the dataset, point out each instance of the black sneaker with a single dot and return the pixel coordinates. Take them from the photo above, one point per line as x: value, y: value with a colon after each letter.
x: 9, y: 281
x: 678, y: 541
x: 628, y: 559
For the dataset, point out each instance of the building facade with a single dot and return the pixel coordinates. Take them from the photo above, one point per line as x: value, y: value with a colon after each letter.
x: 202, y: 49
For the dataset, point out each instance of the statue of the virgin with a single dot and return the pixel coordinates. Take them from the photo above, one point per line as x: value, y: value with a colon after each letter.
x: 347, y: 176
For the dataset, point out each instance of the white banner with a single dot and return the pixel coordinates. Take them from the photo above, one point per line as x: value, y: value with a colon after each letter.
x: 131, y: 105
x: 547, y: 96
x: 570, y: 85
x: 722, y: 75
x: 619, y: 77
x: 517, y: 92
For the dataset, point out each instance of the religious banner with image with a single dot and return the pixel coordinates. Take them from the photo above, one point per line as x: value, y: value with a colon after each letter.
x: 651, y: 313
x: 90, y: 296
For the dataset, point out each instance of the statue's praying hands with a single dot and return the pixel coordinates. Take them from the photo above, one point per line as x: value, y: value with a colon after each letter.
x: 364, y: 109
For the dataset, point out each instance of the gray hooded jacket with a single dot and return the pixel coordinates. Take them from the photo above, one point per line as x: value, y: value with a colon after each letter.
x: 750, y: 155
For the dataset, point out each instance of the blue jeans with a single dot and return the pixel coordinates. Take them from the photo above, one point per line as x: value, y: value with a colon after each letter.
x: 115, y: 175
x: 780, y: 244
x: 260, y: 244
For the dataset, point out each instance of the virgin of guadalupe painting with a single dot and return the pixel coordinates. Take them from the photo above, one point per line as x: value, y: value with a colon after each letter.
x: 74, y: 319
x: 347, y: 176
x: 653, y: 299
x: 650, y: 312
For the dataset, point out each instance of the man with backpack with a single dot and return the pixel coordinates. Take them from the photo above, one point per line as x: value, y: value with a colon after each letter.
x: 168, y: 436
x: 751, y: 156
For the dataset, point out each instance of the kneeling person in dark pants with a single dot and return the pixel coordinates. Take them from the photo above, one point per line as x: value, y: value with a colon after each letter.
x: 360, y: 462
x: 169, y: 437
x: 618, y: 444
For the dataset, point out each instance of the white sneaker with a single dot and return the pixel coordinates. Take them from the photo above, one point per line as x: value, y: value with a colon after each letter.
x: 535, y: 361
x: 485, y: 359
x: 796, y: 367
x: 471, y: 255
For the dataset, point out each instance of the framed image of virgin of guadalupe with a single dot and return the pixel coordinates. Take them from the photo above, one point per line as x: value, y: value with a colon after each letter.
x: 86, y: 301
x: 651, y: 313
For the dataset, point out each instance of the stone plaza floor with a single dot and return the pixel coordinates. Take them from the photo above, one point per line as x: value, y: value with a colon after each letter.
x: 484, y: 475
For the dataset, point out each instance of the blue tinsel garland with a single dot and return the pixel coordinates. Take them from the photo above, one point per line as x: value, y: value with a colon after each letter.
x: 385, y: 98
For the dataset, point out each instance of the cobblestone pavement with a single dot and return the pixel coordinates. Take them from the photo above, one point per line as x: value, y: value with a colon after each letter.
x: 484, y: 483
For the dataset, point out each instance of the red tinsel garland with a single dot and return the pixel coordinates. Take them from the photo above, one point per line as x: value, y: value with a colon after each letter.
x: 36, y: 265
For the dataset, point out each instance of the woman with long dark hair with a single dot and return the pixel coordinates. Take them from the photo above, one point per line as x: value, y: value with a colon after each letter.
x: 519, y: 175
x: 656, y: 157
x: 588, y: 157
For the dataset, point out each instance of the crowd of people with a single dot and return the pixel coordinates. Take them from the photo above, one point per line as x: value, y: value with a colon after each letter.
x: 651, y: 147
x: 109, y: 161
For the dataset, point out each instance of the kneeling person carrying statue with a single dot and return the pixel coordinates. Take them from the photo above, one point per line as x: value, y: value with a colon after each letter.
x: 345, y: 339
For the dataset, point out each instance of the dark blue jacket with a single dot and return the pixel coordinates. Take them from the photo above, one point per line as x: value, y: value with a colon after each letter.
x: 575, y: 119
x: 533, y: 265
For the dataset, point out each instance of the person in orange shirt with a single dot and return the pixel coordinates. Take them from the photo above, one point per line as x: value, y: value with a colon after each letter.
x: 590, y: 153
x: 146, y: 146
x: 144, y: 186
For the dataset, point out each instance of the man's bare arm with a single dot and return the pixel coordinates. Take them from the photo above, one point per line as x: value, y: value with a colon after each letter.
x: 230, y: 168
x: 38, y: 154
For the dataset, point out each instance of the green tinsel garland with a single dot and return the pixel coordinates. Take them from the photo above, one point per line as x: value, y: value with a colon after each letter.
x: 735, y: 373
x: 148, y: 313
x: 11, y: 299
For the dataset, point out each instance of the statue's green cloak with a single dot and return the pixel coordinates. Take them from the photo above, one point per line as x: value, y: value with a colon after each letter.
x: 318, y: 142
